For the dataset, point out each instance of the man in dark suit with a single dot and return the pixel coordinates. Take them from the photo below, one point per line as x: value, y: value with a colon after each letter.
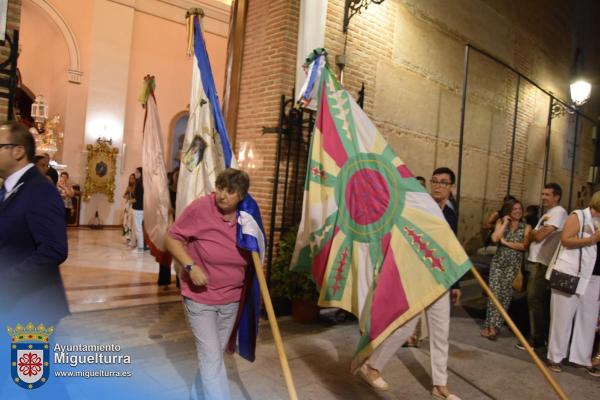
x: 33, y: 239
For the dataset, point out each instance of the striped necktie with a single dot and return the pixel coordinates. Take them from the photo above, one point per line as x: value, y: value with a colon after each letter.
x: 2, y: 193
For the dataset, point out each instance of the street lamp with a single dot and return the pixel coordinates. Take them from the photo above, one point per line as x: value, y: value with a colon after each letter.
x: 580, y: 92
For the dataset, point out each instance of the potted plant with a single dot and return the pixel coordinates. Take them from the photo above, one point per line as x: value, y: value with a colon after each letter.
x: 298, y: 287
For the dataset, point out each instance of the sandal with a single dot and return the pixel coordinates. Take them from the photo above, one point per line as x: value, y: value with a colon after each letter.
x: 596, y: 360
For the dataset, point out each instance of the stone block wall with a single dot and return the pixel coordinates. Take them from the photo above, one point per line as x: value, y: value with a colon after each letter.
x: 410, y: 56
x: 13, y: 22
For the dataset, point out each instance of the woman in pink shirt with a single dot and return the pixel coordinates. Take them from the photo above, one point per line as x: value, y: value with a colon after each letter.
x: 203, y: 240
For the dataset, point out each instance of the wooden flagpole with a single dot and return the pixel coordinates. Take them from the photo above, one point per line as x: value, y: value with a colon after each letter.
x: 274, y: 327
x: 545, y: 372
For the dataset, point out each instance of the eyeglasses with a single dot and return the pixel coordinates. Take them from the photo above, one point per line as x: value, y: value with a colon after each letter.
x: 8, y: 144
x: 440, y: 183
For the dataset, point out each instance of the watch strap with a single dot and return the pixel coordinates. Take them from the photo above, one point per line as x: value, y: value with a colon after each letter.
x: 188, y: 267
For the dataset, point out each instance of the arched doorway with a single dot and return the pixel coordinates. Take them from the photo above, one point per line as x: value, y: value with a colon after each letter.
x: 177, y: 129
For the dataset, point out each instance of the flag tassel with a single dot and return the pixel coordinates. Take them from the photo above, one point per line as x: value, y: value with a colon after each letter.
x: 189, y: 24
x: 555, y: 386
x: 274, y: 326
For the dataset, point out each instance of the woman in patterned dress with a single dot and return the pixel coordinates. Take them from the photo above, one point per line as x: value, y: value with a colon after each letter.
x: 512, y: 236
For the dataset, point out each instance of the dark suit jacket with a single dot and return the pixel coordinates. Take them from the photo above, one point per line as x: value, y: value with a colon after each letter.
x: 53, y: 174
x: 33, y: 243
x: 452, y: 220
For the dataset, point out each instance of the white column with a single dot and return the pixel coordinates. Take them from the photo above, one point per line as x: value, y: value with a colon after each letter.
x: 311, y: 34
x: 105, y: 112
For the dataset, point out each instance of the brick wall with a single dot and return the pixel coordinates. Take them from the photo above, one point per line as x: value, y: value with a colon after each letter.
x: 12, y: 23
x: 268, y: 71
x: 409, y: 54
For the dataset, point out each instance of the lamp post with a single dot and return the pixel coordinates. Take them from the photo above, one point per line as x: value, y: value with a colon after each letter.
x: 580, y: 92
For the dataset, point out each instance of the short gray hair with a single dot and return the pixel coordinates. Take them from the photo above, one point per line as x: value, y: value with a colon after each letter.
x: 234, y: 180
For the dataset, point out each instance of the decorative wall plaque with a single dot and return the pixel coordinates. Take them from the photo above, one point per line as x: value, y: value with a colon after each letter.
x: 100, y: 171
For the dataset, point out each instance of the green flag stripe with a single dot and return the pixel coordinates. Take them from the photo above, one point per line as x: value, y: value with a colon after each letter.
x: 436, y: 260
x: 338, y: 275
x: 338, y: 104
x: 376, y: 256
x: 316, y: 173
x: 316, y: 241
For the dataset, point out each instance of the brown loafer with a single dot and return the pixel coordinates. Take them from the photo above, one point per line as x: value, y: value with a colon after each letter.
x: 373, y: 377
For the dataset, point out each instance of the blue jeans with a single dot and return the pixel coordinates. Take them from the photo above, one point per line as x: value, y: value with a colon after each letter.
x: 211, y: 326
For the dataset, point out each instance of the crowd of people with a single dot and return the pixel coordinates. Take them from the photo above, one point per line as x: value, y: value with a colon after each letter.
x: 560, y: 251
x: 522, y: 238
x: 561, y: 255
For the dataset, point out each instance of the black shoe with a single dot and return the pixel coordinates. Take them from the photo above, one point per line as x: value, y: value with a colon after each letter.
x: 554, y: 367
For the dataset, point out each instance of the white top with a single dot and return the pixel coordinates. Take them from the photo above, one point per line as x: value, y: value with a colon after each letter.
x: 542, y: 252
x: 11, y: 181
x: 567, y: 260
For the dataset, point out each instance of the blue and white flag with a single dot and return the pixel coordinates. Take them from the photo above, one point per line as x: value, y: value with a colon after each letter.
x: 250, y: 234
x: 206, y: 149
x: 206, y: 152
x: 251, y: 237
x: 313, y: 65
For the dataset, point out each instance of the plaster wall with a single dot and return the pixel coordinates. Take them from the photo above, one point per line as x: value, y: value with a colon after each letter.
x: 119, y: 42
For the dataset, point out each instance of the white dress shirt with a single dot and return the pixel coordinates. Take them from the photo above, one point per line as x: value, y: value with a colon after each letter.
x: 11, y: 181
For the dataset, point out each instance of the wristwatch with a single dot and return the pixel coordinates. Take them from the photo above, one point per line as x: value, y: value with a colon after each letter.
x: 188, y: 267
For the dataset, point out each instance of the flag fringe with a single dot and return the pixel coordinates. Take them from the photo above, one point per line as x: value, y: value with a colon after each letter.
x: 189, y: 23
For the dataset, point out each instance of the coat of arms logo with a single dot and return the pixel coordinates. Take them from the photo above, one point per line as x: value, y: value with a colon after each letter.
x: 30, y: 355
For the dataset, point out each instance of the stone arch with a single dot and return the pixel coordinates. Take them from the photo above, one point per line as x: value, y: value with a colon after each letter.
x: 74, y: 71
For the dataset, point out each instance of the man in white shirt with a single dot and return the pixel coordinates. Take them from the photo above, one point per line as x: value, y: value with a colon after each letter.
x: 544, y: 239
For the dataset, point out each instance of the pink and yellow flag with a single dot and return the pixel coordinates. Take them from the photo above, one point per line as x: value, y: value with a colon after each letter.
x: 376, y: 244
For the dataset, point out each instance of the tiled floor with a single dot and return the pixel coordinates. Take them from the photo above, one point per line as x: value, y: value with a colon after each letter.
x: 164, y: 361
x: 102, y: 273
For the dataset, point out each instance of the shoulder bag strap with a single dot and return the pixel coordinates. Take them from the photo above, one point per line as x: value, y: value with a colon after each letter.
x: 581, y: 237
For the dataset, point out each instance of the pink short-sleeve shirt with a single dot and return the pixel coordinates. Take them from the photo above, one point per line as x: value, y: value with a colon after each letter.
x: 211, y: 243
